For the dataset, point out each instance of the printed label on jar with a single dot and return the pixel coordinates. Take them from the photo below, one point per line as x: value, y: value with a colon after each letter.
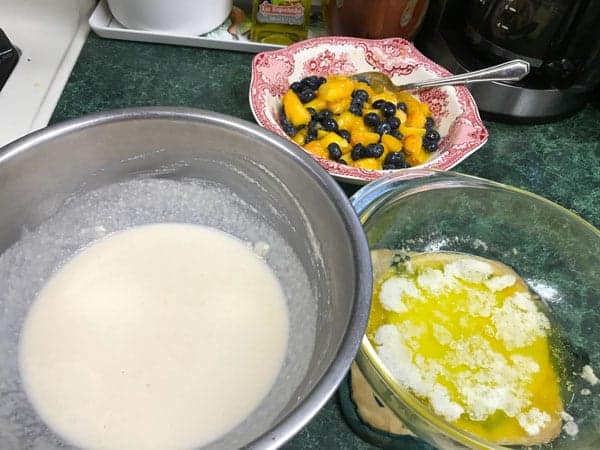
x: 281, y: 11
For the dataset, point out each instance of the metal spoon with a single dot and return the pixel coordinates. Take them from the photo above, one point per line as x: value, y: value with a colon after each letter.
x: 513, y: 70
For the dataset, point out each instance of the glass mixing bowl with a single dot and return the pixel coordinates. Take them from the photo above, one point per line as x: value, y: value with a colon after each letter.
x: 555, y: 252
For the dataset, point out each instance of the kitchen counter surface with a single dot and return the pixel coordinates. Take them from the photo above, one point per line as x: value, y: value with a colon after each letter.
x: 560, y: 161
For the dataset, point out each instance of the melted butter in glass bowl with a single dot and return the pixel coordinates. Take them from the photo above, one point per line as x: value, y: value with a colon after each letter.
x: 427, y: 214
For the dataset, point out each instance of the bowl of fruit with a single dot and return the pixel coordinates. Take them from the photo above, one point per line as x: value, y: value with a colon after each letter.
x: 312, y: 93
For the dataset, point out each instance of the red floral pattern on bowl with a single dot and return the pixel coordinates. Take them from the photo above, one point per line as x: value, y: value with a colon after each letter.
x: 455, y: 112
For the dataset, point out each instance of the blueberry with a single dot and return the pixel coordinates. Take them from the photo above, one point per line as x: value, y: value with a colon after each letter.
x: 287, y: 126
x: 356, y: 103
x: 310, y: 137
x: 401, y: 106
x: 388, y: 109
x: 324, y: 114
x: 345, y: 134
x: 355, y: 109
x: 371, y: 119
x: 374, y: 151
x: 313, y: 82
x: 312, y: 111
x: 394, y: 122
x: 311, y: 133
x: 377, y: 104
x: 429, y: 122
x: 396, y: 159
x: 313, y: 125
x: 306, y: 95
x: 396, y: 134
x: 432, y: 135
x: 342, y: 161
x: 297, y: 87
x: 329, y: 124
x: 387, y: 166
x: 384, y: 128
x: 335, y: 152
x: 430, y: 146
x: 358, y: 152
x: 360, y: 95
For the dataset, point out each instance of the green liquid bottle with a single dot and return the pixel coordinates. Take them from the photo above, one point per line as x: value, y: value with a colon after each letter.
x: 280, y: 21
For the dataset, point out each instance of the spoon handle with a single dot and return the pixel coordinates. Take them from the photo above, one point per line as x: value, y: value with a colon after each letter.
x: 509, y: 71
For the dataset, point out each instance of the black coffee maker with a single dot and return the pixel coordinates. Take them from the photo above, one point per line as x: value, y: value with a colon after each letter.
x: 559, y: 38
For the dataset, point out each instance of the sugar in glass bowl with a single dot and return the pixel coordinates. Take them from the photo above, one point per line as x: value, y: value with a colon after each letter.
x: 556, y: 252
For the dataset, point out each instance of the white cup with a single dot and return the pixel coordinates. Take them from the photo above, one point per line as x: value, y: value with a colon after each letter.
x: 189, y: 17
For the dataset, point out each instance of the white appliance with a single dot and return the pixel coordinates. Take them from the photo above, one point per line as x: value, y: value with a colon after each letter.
x: 49, y: 35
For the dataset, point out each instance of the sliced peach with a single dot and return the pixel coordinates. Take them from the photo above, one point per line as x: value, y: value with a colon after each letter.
x: 294, y: 109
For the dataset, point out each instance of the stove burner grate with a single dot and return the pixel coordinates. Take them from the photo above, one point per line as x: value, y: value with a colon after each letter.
x: 8, y: 58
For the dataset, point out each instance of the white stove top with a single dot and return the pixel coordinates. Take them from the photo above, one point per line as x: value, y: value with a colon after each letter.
x: 49, y: 35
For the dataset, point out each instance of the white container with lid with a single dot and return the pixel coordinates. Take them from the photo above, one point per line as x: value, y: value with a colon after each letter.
x: 189, y: 17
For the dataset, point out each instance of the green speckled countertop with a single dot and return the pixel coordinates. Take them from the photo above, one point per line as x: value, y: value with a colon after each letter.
x: 560, y: 161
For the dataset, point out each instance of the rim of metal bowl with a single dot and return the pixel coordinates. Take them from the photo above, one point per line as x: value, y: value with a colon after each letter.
x: 367, y: 201
x: 291, y: 424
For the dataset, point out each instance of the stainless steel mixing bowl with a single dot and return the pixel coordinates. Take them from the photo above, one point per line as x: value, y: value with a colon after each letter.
x: 286, y: 188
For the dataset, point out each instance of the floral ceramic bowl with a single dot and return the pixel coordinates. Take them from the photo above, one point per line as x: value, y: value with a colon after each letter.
x: 453, y: 108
